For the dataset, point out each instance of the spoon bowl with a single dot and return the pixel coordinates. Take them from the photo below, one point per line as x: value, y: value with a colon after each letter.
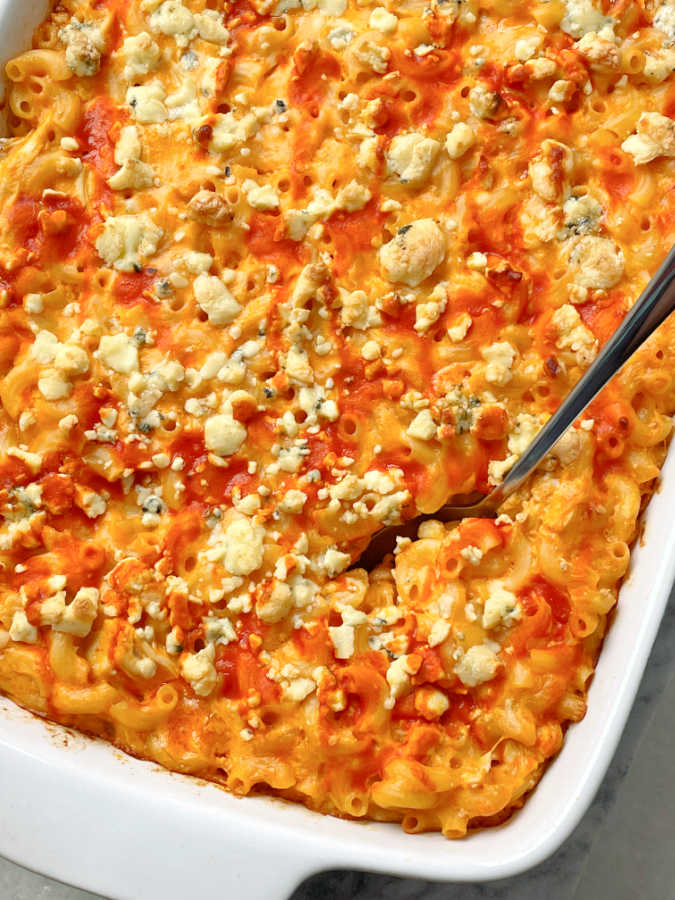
x: 653, y: 306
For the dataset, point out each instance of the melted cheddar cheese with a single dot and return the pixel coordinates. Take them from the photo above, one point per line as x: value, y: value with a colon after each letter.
x: 274, y: 273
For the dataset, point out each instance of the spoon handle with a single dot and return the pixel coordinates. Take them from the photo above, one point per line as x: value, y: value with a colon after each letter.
x: 654, y: 305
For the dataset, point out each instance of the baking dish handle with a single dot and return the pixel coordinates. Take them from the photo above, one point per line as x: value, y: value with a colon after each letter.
x: 88, y: 817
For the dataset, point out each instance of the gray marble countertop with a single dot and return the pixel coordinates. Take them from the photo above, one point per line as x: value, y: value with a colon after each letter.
x: 623, y: 849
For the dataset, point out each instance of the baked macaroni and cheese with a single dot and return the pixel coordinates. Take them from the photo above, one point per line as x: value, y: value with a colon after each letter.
x: 274, y: 273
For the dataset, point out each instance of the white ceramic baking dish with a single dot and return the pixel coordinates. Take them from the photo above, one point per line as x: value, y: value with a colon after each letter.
x: 81, y: 811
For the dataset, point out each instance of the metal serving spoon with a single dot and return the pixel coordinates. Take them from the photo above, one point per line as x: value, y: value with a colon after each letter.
x: 654, y: 305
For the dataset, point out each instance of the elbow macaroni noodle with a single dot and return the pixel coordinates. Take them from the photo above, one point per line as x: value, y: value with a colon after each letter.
x: 274, y: 273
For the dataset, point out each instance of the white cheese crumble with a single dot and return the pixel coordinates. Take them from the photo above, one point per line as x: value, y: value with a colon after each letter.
x: 21, y: 630
x: 501, y: 607
x: 118, y: 352
x: 215, y: 298
x: 500, y: 357
x: 127, y: 240
x: 85, y: 44
x: 413, y: 253
x: 239, y: 546
x: 411, y: 157
x: 333, y: 561
x: 223, y: 435
x: 581, y: 17
x: 477, y: 665
x: 654, y: 137
x: 140, y: 53
x: 422, y: 426
x: 199, y: 671
x: 460, y: 139
x: 383, y: 20
x: 342, y: 637
x: 147, y: 102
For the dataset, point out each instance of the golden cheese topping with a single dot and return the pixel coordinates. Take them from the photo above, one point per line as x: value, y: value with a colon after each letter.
x: 274, y: 273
